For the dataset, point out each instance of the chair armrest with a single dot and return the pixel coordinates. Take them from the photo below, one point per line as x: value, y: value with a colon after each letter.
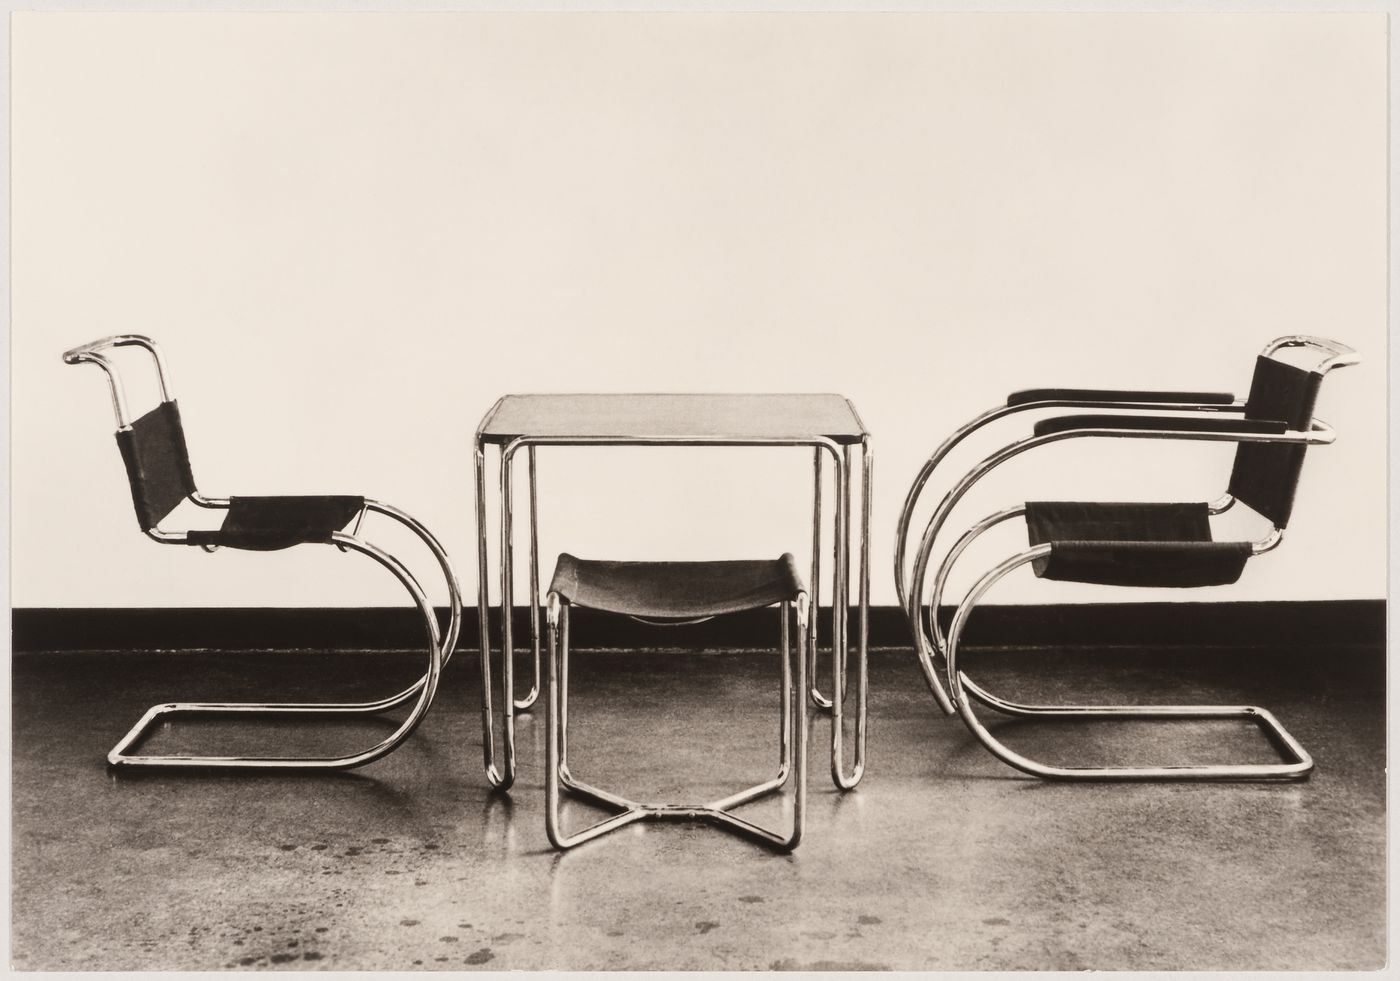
x: 1113, y: 396
x: 1166, y: 425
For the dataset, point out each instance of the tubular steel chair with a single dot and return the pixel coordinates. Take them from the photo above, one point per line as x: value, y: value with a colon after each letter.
x: 676, y: 593
x: 158, y: 466
x: 1128, y: 544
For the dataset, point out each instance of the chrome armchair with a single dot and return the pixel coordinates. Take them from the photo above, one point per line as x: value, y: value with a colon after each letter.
x: 158, y: 468
x: 1139, y: 544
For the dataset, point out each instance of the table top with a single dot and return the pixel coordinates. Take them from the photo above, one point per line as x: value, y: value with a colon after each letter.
x: 759, y: 418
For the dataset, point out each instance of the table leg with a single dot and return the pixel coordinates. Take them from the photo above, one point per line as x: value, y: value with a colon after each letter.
x: 867, y: 464
x: 503, y: 775
x: 838, y: 615
x: 841, y: 615
x: 522, y: 704
x: 508, y: 601
x: 818, y: 699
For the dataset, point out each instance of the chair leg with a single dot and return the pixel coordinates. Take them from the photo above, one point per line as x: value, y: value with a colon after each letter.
x: 454, y: 589
x: 1296, y: 766
x: 424, y: 688
x: 792, y: 751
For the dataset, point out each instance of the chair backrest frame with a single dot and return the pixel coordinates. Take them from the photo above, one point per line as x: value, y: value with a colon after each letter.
x: 1265, y: 475
x: 152, y: 445
x: 92, y: 353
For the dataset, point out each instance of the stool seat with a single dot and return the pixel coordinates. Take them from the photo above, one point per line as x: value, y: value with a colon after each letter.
x: 669, y: 593
x: 675, y: 590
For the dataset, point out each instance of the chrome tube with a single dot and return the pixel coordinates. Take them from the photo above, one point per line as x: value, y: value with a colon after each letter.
x: 818, y: 699
x: 1340, y: 355
x: 1221, y: 504
x: 91, y: 353
x: 114, y: 381
x: 454, y: 589
x: 1268, y: 543
x: 507, y: 492
x: 807, y: 650
x: 785, y: 732
x: 941, y: 580
x: 1319, y: 434
x: 502, y: 776
x: 1298, y: 764
x: 120, y: 757
x: 558, y: 778
x: 906, y: 514
x: 838, y: 774
x: 521, y: 704
x: 911, y: 500
x: 564, y: 649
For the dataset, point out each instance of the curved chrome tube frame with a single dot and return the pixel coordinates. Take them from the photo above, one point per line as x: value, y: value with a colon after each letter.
x: 440, y: 645
x: 929, y: 644
x: 423, y: 689
x: 1298, y: 764
x: 718, y: 812
x: 500, y: 765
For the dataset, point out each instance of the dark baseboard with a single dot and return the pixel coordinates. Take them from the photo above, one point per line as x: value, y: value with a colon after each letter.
x: 1267, y: 624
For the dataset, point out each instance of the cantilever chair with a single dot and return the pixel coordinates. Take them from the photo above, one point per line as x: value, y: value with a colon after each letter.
x: 670, y: 593
x: 1128, y: 544
x: 158, y: 467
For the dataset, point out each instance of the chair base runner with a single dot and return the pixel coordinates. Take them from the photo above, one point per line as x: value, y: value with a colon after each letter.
x: 1297, y: 765
x: 120, y: 758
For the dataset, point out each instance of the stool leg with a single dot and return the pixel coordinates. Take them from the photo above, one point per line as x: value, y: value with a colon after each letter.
x: 799, y: 801
x: 719, y: 812
x: 563, y: 766
x: 557, y: 776
x: 556, y: 738
x: 785, y: 714
x: 551, y: 755
x: 785, y: 727
x: 566, y: 778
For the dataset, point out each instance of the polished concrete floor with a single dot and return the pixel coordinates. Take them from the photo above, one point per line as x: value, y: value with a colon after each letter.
x: 942, y: 859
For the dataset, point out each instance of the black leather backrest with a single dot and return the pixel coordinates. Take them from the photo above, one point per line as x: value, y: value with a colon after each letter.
x: 1265, y: 475
x: 157, y: 463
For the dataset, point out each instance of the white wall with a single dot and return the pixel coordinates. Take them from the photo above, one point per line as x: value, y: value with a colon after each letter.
x: 353, y: 232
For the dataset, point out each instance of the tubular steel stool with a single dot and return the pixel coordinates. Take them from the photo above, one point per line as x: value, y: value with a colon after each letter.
x: 158, y: 467
x: 1130, y: 544
x: 676, y: 593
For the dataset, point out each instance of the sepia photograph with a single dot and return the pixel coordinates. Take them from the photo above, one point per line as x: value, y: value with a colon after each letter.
x: 785, y: 489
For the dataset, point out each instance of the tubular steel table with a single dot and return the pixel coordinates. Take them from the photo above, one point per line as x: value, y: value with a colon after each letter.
x: 827, y: 423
